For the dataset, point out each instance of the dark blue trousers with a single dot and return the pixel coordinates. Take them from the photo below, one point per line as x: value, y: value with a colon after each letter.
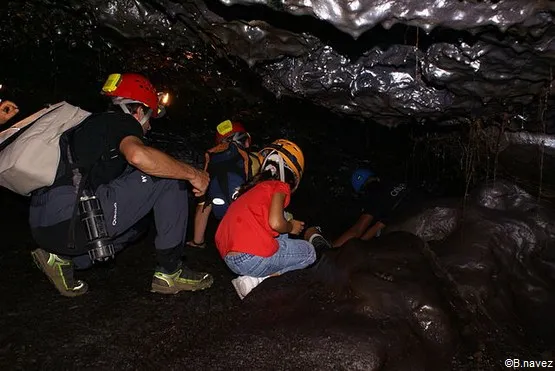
x: 125, y: 201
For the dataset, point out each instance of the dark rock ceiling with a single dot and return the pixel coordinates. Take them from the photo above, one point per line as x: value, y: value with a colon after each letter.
x: 395, y: 62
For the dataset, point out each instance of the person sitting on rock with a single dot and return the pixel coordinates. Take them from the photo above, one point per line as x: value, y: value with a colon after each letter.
x: 8, y: 109
x: 252, y: 237
x: 129, y: 179
x: 380, y: 198
x: 230, y: 163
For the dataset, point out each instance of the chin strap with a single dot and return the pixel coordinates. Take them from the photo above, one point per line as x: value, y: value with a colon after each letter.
x: 274, y: 157
x: 122, y: 102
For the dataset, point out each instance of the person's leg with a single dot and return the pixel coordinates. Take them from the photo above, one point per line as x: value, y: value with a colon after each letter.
x: 82, y: 262
x: 202, y: 214
x: 355, y: 231
x: 292, y: 254
x: 129, y: 198
x: 50, y: 209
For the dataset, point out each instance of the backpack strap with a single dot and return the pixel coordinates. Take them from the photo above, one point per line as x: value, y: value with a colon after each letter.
x: 247, y: 161
x: 254, y: 167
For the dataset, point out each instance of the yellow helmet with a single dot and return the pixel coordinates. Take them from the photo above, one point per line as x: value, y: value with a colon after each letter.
x: 290, y: 156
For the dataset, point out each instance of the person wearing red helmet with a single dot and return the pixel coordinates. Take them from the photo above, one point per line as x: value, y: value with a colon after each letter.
x: 230, y: 163
x: 232, y: 131
x: 130, y: 179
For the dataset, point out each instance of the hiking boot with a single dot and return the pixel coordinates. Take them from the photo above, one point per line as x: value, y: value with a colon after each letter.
x: 244, y: 284
x: 314, y: 236
x: 60, y: 272
x: 184, y: 279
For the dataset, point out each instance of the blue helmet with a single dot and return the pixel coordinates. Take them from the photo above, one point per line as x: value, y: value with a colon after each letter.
x: 359, y: 178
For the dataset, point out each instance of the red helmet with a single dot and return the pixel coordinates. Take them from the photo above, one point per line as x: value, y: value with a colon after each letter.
x: 227, y: 130
x: 134, y: 87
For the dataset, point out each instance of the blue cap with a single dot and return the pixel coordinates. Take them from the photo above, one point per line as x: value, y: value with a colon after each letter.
x: 359, y: 178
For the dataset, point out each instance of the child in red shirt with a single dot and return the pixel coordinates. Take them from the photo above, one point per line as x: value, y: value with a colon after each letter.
x: 252, y: 237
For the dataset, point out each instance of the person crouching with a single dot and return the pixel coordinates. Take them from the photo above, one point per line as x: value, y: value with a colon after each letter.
x: 252, y: 237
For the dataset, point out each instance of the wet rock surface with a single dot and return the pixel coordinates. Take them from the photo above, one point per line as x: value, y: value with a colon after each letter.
x: 466, y: 302
x: 497, y: 253
x: 411, y: 61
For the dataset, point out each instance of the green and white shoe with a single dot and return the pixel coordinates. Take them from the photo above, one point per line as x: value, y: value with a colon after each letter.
x: 60, y: 272
x: 184, y: 279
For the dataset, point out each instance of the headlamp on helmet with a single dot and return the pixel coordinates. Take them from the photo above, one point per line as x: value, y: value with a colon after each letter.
x: 163, y: 102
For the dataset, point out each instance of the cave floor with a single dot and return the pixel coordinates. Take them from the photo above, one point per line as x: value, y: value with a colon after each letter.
x: 119, y: 324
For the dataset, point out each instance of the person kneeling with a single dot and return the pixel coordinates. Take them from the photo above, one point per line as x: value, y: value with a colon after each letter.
x: 380, y: 198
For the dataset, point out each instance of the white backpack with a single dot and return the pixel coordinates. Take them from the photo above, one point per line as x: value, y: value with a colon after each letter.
x: 31, y: 161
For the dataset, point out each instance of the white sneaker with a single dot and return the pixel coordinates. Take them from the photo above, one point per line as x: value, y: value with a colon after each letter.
x: 244, y: 284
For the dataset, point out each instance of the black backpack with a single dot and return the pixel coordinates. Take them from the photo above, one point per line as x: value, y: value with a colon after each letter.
x: 229, y: 165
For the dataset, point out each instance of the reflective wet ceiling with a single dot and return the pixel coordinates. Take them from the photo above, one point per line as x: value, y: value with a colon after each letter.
x: 394, y: 62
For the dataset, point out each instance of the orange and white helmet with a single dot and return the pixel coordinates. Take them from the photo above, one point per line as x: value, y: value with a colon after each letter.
x: 288, y: 155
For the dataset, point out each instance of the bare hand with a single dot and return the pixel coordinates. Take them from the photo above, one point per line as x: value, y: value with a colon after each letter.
x: 8, y: 110
x: 200, y: 182
x: 298, y: 226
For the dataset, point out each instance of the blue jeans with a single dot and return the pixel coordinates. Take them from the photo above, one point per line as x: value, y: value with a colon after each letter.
x: 292, y: 254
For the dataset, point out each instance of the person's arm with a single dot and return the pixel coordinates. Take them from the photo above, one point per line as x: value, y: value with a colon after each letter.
x: 276, y: 217
x: 356, y: 230
x: 371, y: 232
x: 156, y: 163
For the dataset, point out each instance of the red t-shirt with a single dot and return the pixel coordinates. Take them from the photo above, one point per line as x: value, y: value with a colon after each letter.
x: 245, y: 227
